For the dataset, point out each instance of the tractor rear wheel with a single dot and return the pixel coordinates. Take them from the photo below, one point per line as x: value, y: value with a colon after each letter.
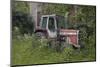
x: 40, y: 35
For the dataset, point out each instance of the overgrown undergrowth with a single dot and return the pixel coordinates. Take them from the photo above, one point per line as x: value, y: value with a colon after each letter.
x: 32, y: 51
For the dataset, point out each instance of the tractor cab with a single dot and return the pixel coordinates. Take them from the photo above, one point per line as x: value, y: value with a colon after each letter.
x: 51, y: 23
x: 48, y: 22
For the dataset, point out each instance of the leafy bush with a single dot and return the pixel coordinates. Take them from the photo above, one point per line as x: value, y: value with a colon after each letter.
x: 21, y: 18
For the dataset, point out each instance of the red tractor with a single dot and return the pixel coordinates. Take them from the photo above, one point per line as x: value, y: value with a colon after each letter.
x: 54, y: 28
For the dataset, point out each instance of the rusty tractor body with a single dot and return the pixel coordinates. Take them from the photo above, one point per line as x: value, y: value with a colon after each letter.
x: 54, y: 27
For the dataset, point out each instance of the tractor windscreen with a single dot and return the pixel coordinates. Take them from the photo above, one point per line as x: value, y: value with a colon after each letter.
x: 44, y: 22
x: 61, y: 22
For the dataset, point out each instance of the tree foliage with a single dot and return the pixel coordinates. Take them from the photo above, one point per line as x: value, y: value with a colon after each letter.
x: 86, y: 18
x: 54, y: 9
x: 21, y: 17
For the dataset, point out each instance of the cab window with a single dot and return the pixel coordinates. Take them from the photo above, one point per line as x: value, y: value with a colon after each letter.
x: 51, y: 24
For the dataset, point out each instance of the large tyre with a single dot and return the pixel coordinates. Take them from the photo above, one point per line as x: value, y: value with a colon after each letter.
x: 40, y: 35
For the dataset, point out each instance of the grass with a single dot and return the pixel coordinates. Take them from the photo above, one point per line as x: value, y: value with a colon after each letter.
x: 28, y: 51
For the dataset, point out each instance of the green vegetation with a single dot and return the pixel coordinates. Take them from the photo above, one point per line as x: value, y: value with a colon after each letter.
x: 21, y: 18
x: 32, y: 51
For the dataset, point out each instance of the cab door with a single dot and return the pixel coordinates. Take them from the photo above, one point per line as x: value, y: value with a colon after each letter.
x: 52, y: 27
